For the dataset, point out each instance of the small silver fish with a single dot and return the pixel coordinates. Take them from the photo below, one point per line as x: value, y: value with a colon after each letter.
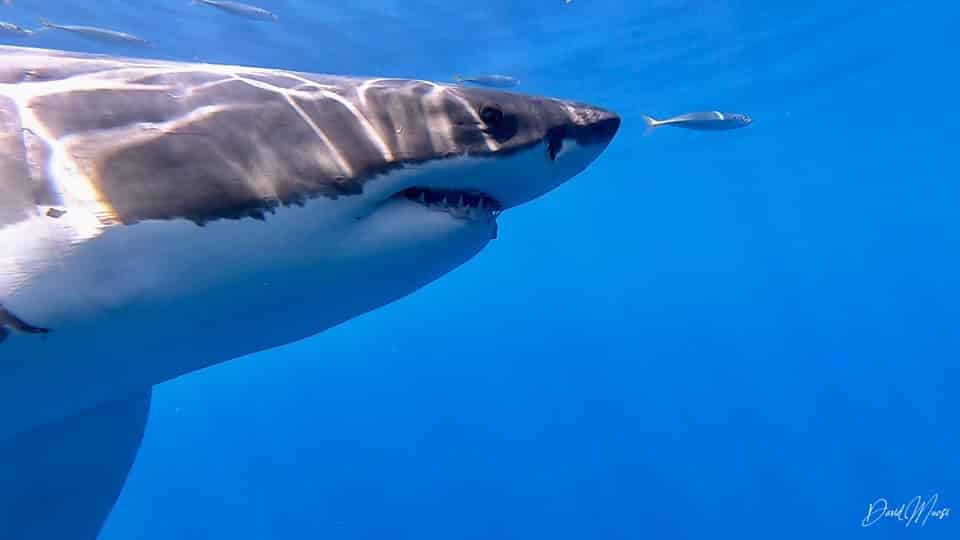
x: 703, y: 121
x: 99, y: 34
x: 15, y: 30
x: 493, y: 81
x: 239, y: 8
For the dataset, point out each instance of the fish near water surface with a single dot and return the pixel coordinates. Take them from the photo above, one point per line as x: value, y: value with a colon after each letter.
x: 102, y: 35
x: 14, y: 30
x: 703, y: 121
x: 239, y: 9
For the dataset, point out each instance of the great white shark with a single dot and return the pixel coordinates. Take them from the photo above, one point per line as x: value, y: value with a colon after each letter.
x: 160, y: 217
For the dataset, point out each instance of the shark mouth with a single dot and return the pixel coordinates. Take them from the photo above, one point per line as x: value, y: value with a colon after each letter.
x: 469, y: 205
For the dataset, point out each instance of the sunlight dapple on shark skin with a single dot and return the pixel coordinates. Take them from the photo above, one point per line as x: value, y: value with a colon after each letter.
x: 160, y: 217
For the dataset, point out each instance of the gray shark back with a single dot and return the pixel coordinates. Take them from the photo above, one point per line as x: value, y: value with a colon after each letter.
x: 198, y: 129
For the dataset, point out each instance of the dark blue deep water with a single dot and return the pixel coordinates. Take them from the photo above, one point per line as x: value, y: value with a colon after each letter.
x: 749, y: 334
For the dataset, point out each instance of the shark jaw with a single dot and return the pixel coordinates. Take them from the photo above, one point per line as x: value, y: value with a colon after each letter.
x: 476, y: 189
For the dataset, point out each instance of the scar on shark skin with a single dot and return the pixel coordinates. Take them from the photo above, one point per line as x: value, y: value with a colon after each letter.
x: 10, y: 320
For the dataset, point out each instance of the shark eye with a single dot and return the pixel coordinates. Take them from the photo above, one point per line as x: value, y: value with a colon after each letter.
x: 502, y: 127
x: 491, y: 116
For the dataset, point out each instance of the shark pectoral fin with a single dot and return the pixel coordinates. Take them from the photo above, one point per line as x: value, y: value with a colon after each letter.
x: 61, y: 480
x: 10, y: 320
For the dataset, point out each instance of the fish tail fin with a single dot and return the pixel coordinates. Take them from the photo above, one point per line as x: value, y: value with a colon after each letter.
x: 45, y: 23
x: 651, y: 124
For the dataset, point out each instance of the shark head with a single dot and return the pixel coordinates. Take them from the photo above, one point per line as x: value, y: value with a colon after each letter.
x: 472, y: 154
x: 515, y: 147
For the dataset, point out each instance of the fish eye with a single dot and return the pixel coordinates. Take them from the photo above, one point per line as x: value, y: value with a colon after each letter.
x: 491, y: 115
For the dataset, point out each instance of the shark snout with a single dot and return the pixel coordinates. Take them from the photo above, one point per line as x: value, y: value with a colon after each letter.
x: 594, y: 125
x: 605, y: 129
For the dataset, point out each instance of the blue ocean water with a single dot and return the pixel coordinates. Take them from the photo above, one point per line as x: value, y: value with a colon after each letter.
x: 749, y: 334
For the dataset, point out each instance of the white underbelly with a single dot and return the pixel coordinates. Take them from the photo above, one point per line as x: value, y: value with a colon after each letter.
x: 142, y: 304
